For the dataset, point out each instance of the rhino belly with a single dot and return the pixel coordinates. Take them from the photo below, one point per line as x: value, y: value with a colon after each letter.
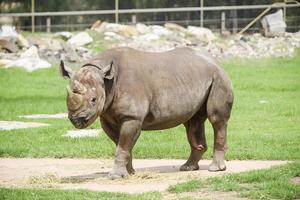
x: 169, y: 112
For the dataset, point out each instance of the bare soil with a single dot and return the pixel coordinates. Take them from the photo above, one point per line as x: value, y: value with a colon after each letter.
x: 11, y: 125
x: 91, y: 174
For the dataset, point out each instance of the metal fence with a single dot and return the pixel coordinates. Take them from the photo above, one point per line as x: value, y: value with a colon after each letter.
x: 46, y: 20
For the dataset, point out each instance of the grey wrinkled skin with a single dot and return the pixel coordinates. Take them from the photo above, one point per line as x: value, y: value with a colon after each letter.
x: 132, y: 90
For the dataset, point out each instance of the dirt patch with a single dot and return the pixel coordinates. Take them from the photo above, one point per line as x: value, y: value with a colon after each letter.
x: 11, y: 125
x: 296, y: 180
x: 83, y: 133
x: 91, y: 174
x: 46, y: 116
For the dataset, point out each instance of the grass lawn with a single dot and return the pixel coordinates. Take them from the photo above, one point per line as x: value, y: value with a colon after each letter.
x: 20, y: 194
x: 265, y: 124
x: 274, y: 183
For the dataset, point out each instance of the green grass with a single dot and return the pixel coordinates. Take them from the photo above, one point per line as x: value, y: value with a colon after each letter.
x: 18, y: 194
x: 269, y: 130
x: 274, y: 183
x: 190, y: 186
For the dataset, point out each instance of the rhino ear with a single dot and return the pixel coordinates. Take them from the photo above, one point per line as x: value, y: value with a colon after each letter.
x: 109, y: 71
x: 65, y: 71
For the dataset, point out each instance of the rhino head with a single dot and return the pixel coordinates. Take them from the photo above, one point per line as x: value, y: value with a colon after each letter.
x: 86, y: 92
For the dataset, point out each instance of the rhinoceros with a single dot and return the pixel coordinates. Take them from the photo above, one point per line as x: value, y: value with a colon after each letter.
x: 131, y: 90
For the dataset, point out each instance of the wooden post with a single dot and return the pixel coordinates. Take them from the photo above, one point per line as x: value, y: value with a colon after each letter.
x: 201, y: 13
x: 32, y: 16
x: 284, y: 11
x: 133, y: 19
x: 223, y: 22
x: 48, y: 24
x: 116, y: 11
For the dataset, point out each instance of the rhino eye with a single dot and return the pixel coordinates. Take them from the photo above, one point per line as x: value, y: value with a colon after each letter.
x: 94, y: 100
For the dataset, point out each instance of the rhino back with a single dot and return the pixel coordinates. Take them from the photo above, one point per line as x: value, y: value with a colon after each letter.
x: 163, y: 89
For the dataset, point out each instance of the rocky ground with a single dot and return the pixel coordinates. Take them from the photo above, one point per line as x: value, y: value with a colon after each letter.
x: 41, y: 50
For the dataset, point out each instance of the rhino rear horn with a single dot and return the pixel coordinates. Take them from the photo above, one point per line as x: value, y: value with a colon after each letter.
x: 65, y: 71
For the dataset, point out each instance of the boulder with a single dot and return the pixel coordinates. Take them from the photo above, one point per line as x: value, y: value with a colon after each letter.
x: 4, y: 62
x: 274, y: 24
x: 142, y: 28
x: 70, y: 53
x: 175, y: 27
x: 22, y: 41
x: 32, y: 52
x: 203, y: 34
x: 80, y: 39
x: 9, y: 44
x: 8, y: 31
x: 96, y: 25
x: 160, y: 30
x: 148, y: 37
x: 112, y: 36
x: 29, y: 64
x: 65, y: 35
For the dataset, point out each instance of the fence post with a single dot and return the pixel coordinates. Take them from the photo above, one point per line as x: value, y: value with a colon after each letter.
x: 223, y: 22
x: 116, y: 11
x: 284, y: 11
x: 32, y: 16
x: 48, y: 24
x: 201, y: 13
x: 133, y: 19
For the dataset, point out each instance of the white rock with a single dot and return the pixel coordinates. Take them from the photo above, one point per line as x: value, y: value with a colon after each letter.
x: 203, y: 34
x: 175, y: 27
x: 142, y: 28
x: 22, y: 41
x: 160, y: 30
x: 148, y: 37
x: 32, y: 52
x: 8, y: 31
x: 80, y: 39
x: 113, y: 35
x: 29, y: 64
x: 5, y: 62
x: 65, y: 34
x: 82, y: 133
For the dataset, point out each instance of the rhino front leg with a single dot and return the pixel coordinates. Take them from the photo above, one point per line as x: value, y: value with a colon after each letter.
x: 114, y: 133
x: 129, y: 133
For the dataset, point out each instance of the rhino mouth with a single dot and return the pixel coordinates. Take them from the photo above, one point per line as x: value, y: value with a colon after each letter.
x: 79, y: 122
x: 82, y: 122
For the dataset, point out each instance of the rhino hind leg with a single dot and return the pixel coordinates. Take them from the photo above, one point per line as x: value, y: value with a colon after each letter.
x: 196, y: 136
x: 219, y: 105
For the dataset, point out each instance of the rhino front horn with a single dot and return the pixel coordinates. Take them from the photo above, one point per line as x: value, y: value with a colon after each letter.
x: 74, y: 101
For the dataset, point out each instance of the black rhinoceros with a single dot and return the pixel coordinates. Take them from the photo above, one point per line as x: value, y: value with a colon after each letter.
x: 131, y: 90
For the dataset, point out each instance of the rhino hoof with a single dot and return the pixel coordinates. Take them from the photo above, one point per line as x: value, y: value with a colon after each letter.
x: 189, y: 167
x: 115, y: 174
x: 215, y: 167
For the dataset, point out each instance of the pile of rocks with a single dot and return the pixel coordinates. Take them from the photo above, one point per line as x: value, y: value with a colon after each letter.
x: 35, y: 52
x: 161, y: 38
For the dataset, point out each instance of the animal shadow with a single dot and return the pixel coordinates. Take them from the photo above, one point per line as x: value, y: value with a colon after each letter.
x: 156, y: 169
x: 167, y: 169
x: 83, y: 178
